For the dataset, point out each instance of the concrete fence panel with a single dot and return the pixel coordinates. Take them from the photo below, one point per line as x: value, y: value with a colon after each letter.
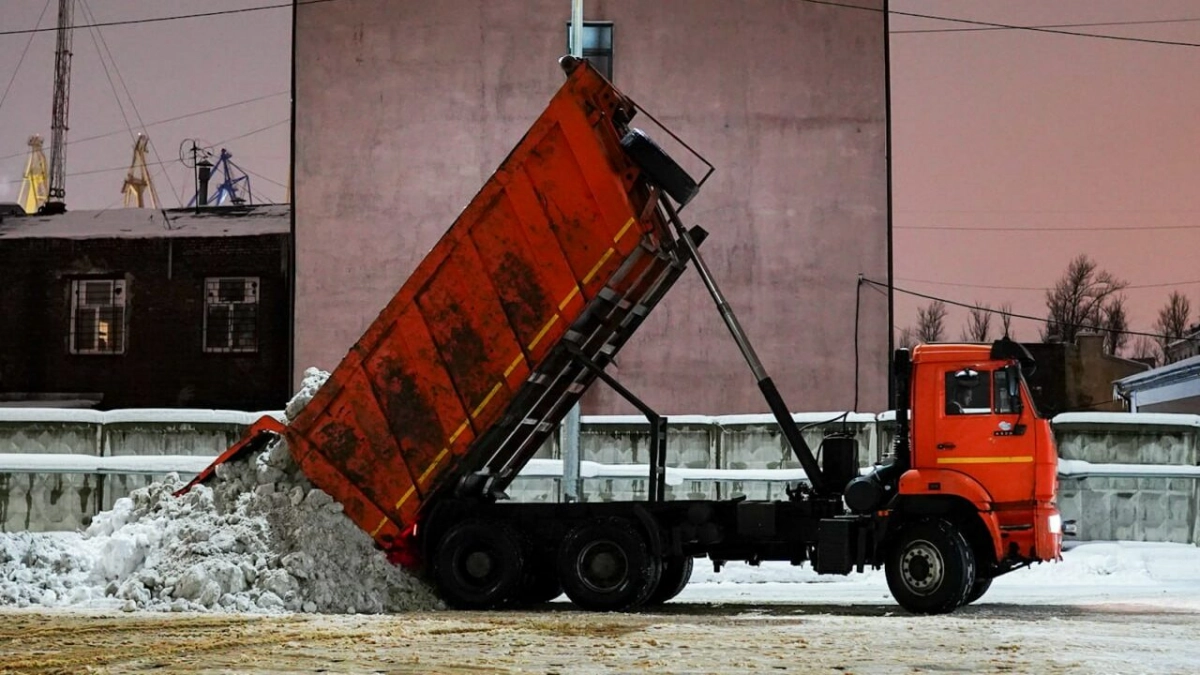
x: 1122, y: 476
x: 38, y: 502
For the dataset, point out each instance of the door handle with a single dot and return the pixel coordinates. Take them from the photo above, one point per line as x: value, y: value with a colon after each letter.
x: 946, y: 446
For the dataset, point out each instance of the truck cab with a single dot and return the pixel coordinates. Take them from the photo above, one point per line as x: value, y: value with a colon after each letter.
x: 978, y: 467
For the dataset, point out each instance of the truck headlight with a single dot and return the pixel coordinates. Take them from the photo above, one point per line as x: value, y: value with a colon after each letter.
x: 1054, y: 524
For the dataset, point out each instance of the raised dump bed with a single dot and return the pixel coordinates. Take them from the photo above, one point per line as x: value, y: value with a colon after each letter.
x: 475, y: 360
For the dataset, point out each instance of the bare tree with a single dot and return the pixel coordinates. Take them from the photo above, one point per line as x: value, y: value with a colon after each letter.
x: 1173, y: 320
x: 931, y: 322
x: 1115, y: 323
x: 1146, y: 349
x: 979, y: 324
x: 1006, y: 318
x: 1082, y: 300
x: 907, y: 339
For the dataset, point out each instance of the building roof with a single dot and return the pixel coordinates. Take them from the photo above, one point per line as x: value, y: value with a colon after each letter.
x: 217, y: 221
x: 1157, y: 377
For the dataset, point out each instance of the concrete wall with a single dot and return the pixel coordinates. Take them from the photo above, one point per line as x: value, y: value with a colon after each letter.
x: 48, y: 501
x: 1125, y: 504
x: 1103, y: 485
x: 403, y: 109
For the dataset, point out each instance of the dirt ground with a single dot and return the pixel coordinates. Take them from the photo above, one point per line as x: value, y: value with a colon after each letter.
x: 679, y: 638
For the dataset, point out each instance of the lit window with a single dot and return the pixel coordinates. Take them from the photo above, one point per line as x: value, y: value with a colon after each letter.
x: 231, y: 314
x: 97, y: 316
x: 597, y: 45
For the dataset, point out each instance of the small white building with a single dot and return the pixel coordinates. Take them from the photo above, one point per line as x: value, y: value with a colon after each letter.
x: 1173, y: 388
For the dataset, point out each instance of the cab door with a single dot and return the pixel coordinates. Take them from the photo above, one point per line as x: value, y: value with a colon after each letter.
x: 979, y: 431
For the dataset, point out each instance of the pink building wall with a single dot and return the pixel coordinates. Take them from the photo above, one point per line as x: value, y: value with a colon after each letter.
x: 403, y: 109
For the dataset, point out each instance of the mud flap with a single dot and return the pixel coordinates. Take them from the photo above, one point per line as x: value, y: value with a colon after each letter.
x: 256, y: 437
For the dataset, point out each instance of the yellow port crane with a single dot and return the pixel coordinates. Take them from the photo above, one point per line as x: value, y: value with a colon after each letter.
x: 36, y: 180
x: 138, y: 181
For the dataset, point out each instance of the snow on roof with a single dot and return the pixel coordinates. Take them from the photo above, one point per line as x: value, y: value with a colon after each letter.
x: 219, y: 221
x: 1172, y: 372
x: 1141, y: 419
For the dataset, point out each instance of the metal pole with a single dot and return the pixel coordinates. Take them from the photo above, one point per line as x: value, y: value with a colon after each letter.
x: 577, y: 28
x: 572, y: 425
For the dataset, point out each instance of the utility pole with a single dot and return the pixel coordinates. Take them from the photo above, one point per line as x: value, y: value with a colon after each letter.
x: 57, y: 193
x: 572, y: 425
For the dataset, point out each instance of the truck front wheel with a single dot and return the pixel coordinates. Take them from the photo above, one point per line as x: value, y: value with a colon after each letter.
x: 930, y: 567
x: 980, y: 587
x: 478, y: 565
x: 606, y: 566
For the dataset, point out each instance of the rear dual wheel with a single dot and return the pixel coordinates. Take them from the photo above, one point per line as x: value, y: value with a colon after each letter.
x: 676, y: 572
x: 479, y: 564
x: 606, y: 565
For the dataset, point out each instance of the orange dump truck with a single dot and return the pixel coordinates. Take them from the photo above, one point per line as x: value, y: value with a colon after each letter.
x: 516, y: 312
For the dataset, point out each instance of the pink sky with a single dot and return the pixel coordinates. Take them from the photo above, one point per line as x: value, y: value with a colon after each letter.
x: 992, y: 129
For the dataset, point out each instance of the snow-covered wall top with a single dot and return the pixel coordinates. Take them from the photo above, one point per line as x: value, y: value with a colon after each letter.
x: 133, y: 415
x: 205, y: 416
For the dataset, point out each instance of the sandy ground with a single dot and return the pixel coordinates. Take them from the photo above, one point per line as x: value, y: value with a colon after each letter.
x: 1121, y: 637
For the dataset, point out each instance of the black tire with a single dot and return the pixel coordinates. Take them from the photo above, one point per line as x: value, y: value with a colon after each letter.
x: 478, y: 565
x: 980, y: 587
x: 538, y: 590
x: 606, y: 566
x: 539, y: 584
x: 659, y: 167
x: 676, y: 572
x: 930, y: 567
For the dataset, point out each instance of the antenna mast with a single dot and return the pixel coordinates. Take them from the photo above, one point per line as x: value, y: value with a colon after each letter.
x: 58, y: 124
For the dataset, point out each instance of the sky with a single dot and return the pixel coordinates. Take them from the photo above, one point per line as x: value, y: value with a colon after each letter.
x: 1013, y: 151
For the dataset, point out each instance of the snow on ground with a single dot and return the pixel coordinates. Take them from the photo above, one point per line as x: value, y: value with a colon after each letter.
x: 257, y: 538
x: 1167, y: 575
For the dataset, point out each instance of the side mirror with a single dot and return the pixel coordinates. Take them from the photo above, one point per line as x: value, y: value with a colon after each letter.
x: 1014, y: 388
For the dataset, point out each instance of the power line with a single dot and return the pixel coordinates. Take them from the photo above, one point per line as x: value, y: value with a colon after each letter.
x: 165, y: 121
x: 108, y: 76
x: 256, y: 131
x: 1006, y: 26
x: 1093, y: 24
x: 160, y: 161
x: 23, y: 53
x: 1039, y: 288
x: 1113, y: 228
x: 175, y: 17
x: 1014, y: 315
x: 120, y: 78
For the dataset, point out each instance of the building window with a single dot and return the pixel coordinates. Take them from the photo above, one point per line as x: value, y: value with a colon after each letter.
x: 231, y: 314
x: 597, y: 45
x: 97, y: 316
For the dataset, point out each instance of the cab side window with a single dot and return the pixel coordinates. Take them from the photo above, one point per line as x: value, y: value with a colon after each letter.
x: 968, y: 394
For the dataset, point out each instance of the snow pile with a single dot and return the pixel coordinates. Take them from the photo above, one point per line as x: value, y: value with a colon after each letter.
x: 258, y: 538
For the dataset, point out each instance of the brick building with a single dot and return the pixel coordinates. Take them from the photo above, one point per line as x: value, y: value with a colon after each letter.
x: 116, y: 309
x: 1078, y: 377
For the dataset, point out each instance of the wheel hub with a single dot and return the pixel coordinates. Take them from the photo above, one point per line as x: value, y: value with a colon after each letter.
x: 478, y: 565
x: 922, y: 567
x: 603, y: 566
